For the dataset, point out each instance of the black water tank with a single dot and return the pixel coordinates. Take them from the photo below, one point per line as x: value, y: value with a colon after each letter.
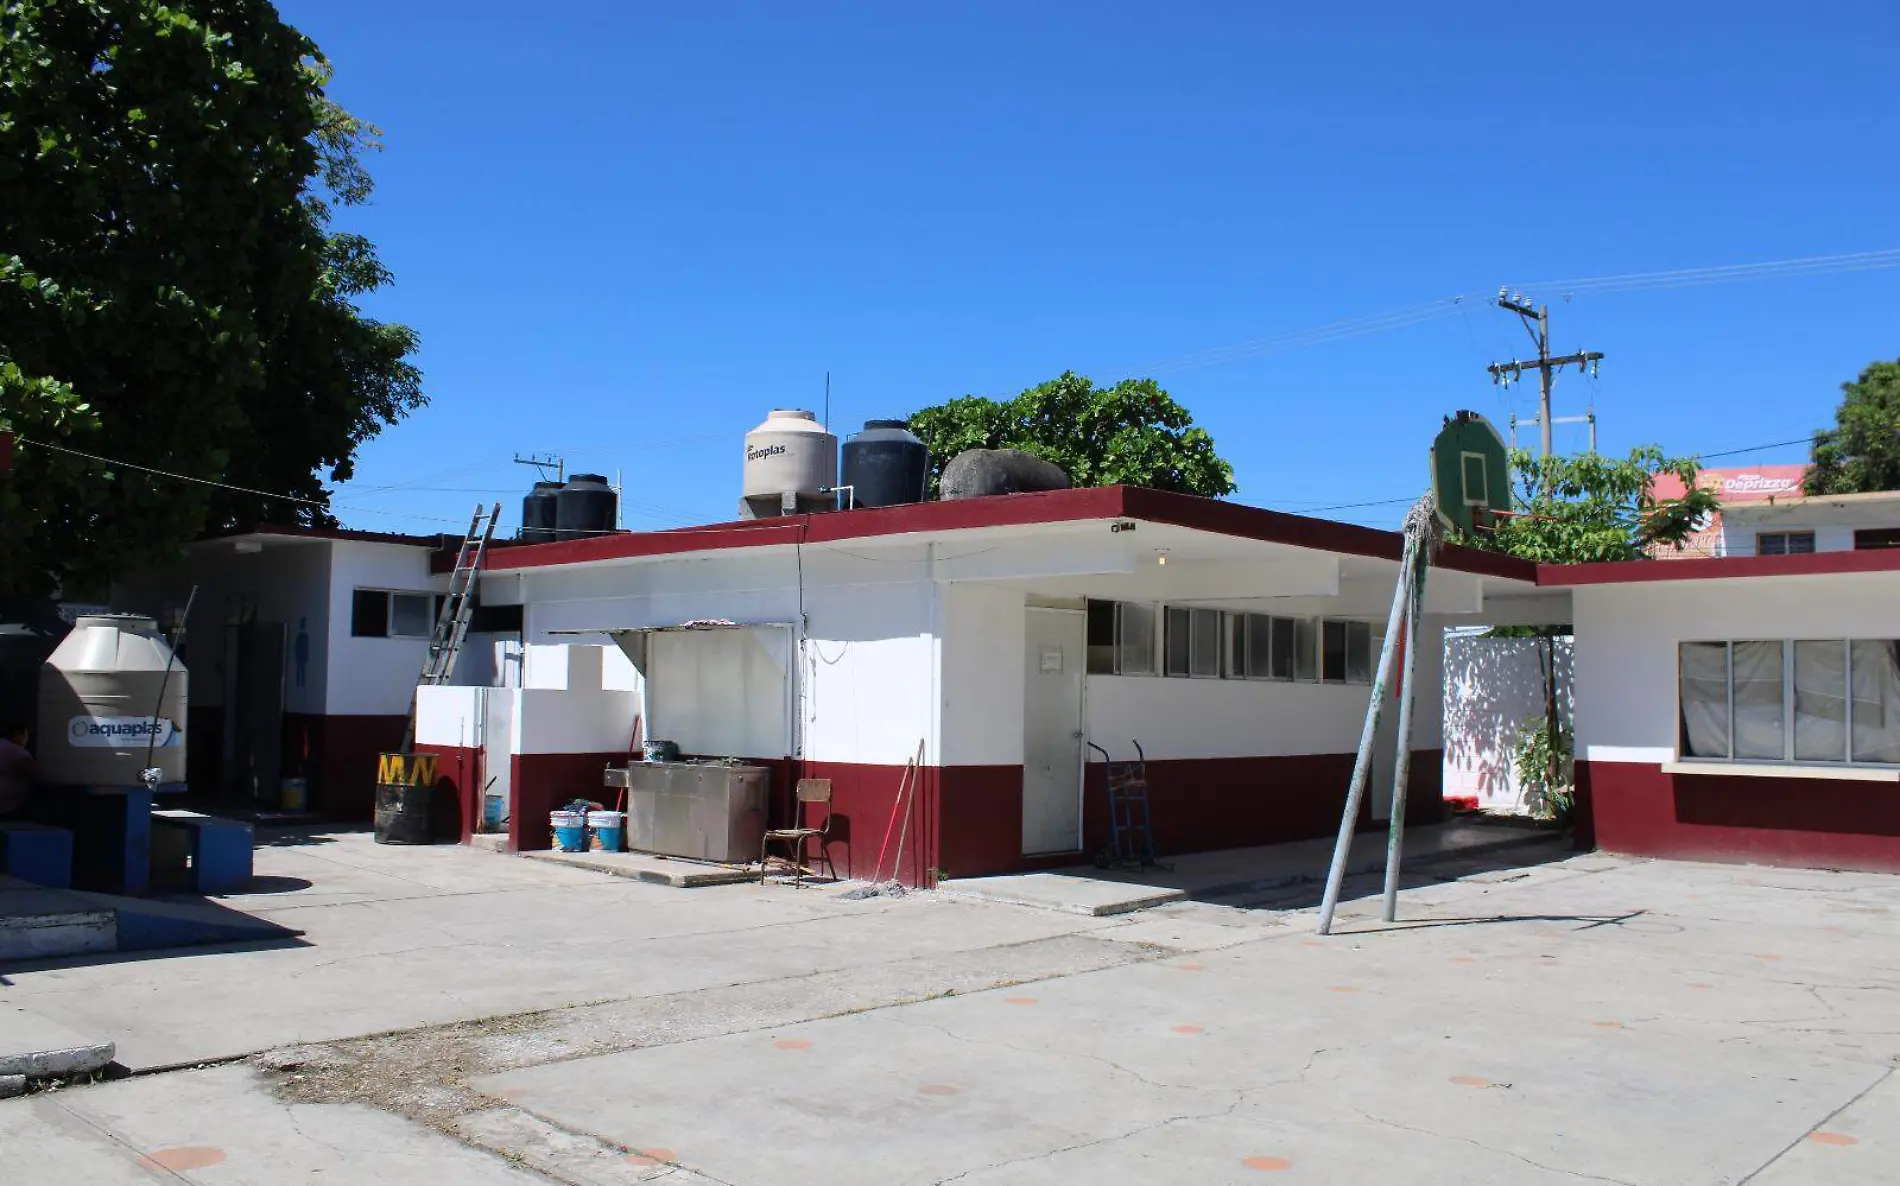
x: 586, y: 507
x: 979, y: 473
x: 885, y: 465
x: 538, y: 513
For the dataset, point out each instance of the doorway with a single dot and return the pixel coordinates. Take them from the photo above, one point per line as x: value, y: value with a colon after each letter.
x: 1053, y: 665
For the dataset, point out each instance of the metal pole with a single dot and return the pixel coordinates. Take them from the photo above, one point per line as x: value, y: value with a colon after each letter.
x: 1543, y: 376
x: 1402, y: 764
x: 1362, y: 765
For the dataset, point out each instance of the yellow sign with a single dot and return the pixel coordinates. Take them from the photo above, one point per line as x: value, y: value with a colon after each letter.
x: 406, y: 770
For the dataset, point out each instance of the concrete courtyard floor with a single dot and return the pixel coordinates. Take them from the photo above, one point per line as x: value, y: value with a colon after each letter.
x: 458, y: 1016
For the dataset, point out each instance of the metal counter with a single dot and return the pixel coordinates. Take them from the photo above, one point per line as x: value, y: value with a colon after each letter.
x: 710, y: 811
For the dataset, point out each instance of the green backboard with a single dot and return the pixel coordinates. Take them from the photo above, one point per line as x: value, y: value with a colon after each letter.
x: 1471, y: 472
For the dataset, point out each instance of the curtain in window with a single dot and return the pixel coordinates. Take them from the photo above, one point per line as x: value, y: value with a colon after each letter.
x: 1876, y: 701
x: 1705, y: 699
x: 1760, y: 718
x: 1135, y: 638
x: 1820, y: 701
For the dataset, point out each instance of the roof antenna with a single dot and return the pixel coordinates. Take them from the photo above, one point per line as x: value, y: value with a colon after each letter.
x: 827, y: 401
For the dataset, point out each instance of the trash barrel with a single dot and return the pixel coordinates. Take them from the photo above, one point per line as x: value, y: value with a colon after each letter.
x: 404, y: 785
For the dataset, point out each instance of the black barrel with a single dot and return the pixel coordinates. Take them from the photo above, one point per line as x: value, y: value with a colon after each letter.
x: 586, y: 507
x: 538, y: 513
x: 885, y: 466
x: 404, y: 785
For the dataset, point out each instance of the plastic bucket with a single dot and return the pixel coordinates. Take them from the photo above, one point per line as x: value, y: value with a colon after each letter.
x: 294, y: 795
x: 606, y: 830
x: 570, y: 830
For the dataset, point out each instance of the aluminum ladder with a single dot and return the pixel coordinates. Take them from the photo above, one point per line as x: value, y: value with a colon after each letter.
x: 451, y: 622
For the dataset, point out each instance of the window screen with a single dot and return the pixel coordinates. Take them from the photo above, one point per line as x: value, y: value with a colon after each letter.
x: 1876, y: 705
x: 1234, y: 650
x: 1284, y: 648
x: 1101, y: 637
x: 1704, y: 694
x: 1358, y: 653
x: 1820, y: 701
x: 1333, y: 652
x: 411, y: 615
x: 369, y: 613
x: 1760, y: 720
x: 1305, y: 649
x: 1204, y: 642
x: 1135, y: 638
x: 1260, y: 632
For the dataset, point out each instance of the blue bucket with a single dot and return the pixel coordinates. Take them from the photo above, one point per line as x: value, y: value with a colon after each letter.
x: 570, y: 830
x: 606, y: 830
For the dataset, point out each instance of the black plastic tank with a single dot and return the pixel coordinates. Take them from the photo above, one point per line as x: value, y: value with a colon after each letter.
x: 885, y: 465
x: 586, y: 507
x: 538, y: 513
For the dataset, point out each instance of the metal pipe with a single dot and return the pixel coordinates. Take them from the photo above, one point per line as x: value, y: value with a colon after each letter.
x: 1362, y: 765
x: 1402, y: 762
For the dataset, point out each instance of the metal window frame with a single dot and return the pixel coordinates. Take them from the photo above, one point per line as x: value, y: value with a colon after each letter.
x: 1787, y: 704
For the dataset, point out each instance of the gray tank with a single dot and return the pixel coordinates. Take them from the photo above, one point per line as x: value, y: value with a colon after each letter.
x: 791, y: 463
x: 885, y: 466
x: 979, y: 473
x: 98, y: 693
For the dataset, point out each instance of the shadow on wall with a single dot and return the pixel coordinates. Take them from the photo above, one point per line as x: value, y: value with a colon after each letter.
x: 1492, y: 686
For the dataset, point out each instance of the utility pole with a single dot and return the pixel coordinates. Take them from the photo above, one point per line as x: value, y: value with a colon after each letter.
x: 1537, y: 324
x: 545, y: 462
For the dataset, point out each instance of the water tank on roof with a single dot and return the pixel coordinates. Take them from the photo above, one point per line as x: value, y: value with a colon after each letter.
x: 791, y: 465
x: 885, y: 465
x: 107, y: 704
x: 586, y: 507
x: 538, y: 514
x: 980, y: 473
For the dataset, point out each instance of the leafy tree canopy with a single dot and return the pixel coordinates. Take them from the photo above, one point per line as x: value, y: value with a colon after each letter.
x: 1131, y: 434
x: 1576, y: 510
x: 1862, y: 451
x: 172, y: 292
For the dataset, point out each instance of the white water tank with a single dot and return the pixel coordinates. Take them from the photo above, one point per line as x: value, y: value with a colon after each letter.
x: 791, y: 463
x: 107, y: 705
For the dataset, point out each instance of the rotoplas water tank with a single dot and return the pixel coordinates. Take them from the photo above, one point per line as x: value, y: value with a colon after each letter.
x: 586, y: 507
x: 106, y: 704
x: 538, y: 514
x: 885, y: 465
x: 790, y: 456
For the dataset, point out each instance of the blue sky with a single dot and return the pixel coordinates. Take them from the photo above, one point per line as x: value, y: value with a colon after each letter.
x: 625, y: 230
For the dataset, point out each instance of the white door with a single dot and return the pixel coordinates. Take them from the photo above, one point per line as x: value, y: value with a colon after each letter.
x: 1052, y: 730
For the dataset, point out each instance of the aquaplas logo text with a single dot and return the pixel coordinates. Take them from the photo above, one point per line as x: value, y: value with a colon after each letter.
x: 121, y: 732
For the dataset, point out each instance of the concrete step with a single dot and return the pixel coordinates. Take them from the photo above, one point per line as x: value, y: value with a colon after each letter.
x: 40, y: 923
x: 34, y: 1047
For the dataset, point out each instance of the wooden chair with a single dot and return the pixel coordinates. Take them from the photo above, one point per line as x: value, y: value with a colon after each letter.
x: 797, y: 837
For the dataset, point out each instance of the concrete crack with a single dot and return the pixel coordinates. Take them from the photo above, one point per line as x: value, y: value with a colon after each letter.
x: 1095, y: 1058
x: 1213, y: 1114
x: 1783, y: 1151
x: 1491, y: 1149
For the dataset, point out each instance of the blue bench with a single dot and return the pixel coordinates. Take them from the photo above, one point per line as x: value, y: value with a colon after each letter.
x: 217, y: 851
x: 38, y: 853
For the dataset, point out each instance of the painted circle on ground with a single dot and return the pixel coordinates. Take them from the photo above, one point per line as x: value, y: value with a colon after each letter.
x: 1342, y: 988
x: 1189, y: 1029
x: 1019, y: 1000
x: 182, y: 1157
x: 1192, y: 967
x: 1833, y: 1138
x: 793, y: 1044
x: 651, y: 1157
x: 1471, y: 1081
x: 1608, y: 1025
x: 1269, y: 1164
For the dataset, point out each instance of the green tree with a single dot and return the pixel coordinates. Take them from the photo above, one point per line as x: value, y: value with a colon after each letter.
x: 1579, y: 510
x: 1575, y: 510
x: 1131, y: 434
x: 1862, y: 451
x: 172, y: 291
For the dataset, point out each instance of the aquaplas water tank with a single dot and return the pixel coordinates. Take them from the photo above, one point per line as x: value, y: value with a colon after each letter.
x: 538, y: 514
x: 586, y: 507
x: 885, y: 465
x: 107, y: 703
x: 791, y: 465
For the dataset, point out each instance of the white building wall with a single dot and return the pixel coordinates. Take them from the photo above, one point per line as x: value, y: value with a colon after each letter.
x: 1627, y: 638
x: 1492, y: 687
x: 982, y: 675
x: 373, y: 676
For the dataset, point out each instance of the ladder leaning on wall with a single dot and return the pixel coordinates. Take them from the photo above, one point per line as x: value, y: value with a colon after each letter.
x: 451, y: 622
